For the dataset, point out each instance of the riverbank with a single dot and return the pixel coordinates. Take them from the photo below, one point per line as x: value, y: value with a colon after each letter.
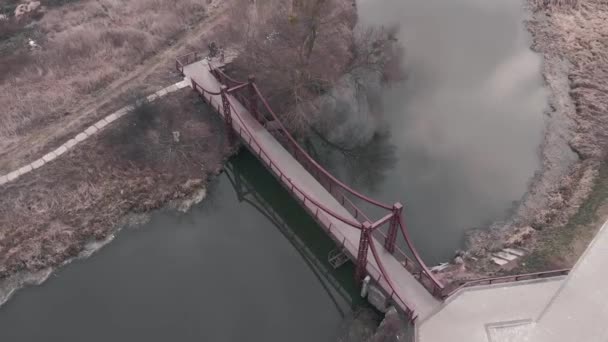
x: 560, y: 214
x: 163, y: 153
x: 54, y: 211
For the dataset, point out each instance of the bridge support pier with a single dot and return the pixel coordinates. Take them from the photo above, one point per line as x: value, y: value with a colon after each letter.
x: 391, y: 236
x: 364, y: 241
x: 253, y: 105
x: 227, y: 114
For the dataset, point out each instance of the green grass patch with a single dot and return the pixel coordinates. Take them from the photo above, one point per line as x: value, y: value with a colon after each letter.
x: 554, y: 243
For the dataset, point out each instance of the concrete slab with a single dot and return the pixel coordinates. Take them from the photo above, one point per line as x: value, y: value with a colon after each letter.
x: 172, y: 88
x: 183, y: 84
x: 81, y: 137
x: 25, y: 169
x: 122, y: 111
x: 49, y: 157
x: 38, y: 163
x: 111, y: 117
x: 12, y: 176
x: 506, y: 256
x: 499, y: 261
x: 91, y: 130
x: 161, y: 92
x: 514, y: 331
x: 515, y: 251
x: 467, y: 314
x: 579, y: 310
x: 101, y: 124
x: 70, y: 143
x: 3, y: 180
x: 60, y: 150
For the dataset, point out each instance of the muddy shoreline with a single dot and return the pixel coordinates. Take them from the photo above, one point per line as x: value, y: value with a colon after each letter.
x: 108, y: 183
x: 10, y: 285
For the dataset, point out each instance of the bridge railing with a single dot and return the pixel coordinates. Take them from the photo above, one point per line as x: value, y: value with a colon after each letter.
x: 225, y: 79
x: 182, y: 61
x: 457, y: 286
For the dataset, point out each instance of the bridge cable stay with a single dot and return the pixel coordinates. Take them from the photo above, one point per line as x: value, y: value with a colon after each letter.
x: 437, y: 286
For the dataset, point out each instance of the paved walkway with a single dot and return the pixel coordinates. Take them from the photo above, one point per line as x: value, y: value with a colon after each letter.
x: 82, y: 136
x: 416, y: 297
x: 562, y: 309
x: 579, y: 309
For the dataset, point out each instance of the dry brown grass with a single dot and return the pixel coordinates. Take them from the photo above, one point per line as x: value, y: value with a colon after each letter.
x: 85, y: 46
x: 545, y: 4
x: 571, y: 35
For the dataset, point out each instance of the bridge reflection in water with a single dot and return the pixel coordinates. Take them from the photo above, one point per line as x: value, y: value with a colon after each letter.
x: 249, y: 180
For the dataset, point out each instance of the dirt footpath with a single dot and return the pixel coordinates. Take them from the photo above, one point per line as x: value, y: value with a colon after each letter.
x: 162, y: 152
x: 92, y: 56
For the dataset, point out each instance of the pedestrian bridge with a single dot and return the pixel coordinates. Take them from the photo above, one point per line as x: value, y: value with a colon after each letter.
x: 370, y: 243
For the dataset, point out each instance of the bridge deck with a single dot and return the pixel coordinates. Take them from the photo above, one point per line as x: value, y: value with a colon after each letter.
x: 416, y: 297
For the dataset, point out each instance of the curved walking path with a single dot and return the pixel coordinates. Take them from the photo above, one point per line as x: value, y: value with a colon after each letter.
x: 84, y: 135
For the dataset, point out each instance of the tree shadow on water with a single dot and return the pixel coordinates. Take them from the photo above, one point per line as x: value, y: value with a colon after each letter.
x: 363, y: 167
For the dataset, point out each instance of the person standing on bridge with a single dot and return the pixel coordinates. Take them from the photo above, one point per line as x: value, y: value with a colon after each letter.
x: 212, y: 49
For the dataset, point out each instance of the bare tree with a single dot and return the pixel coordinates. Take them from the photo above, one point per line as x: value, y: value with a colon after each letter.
x: 302, y: 50
x: 296, y: 54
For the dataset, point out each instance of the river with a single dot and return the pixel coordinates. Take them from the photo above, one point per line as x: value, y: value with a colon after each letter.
x: 466, y: 124
x: 249, y: 264
x: 231, y: 269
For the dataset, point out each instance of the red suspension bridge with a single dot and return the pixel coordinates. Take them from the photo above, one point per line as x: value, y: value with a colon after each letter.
x: 370, y: 243
x: 407, y: 282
